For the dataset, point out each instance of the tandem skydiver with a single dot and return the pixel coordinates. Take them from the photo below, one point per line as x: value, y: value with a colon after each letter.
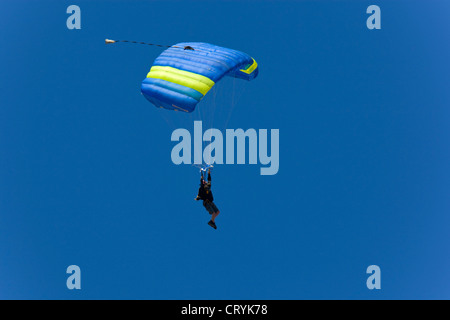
x: 205, y: 194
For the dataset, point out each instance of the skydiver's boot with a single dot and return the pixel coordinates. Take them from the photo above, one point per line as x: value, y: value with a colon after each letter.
x: 212, y: 224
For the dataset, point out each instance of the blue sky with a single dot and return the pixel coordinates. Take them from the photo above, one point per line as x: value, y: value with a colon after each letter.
x: 86, y: 176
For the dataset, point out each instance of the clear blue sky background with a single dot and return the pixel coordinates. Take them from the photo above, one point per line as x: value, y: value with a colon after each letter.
x: 86, y: 176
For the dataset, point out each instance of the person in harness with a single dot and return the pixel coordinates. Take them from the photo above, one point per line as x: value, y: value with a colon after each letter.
x: 205, y: 194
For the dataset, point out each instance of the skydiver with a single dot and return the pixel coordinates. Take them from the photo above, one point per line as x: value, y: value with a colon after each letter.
x: 205, y: 194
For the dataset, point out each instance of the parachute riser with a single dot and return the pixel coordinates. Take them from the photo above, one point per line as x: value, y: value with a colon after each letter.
x: 109, y: 41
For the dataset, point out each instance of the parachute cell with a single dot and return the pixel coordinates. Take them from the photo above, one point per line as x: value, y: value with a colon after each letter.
x: 182, y: 75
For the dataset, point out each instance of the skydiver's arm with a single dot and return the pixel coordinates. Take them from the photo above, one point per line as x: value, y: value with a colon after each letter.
x: 209, y: 176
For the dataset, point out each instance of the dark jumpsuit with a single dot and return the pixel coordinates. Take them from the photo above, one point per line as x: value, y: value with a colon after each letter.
x: 205, y: 194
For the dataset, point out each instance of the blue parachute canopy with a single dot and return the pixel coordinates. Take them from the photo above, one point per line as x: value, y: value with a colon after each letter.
x: 182, y: 75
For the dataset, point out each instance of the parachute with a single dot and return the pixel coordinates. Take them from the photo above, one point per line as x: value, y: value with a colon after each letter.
x: 184, y: 73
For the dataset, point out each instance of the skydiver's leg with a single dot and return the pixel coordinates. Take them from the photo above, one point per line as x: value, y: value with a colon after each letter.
x: 212, y: 210
x: 208, y: 207
x: 214, y: 215
x: 215, y: 211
